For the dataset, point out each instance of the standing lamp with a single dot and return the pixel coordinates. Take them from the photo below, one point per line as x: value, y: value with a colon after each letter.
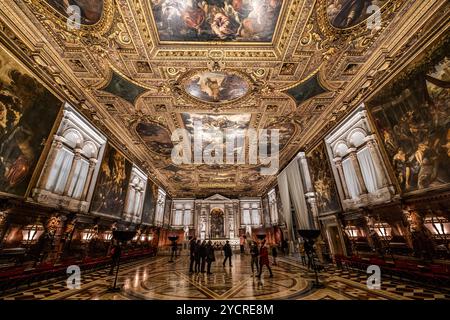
x: 121, y: 237
x: 310, y: 236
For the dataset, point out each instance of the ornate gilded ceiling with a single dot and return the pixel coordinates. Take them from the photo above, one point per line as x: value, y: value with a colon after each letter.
x: 140, y: 69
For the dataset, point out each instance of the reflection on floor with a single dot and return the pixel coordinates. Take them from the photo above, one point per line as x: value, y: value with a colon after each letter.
x: 157, y: 278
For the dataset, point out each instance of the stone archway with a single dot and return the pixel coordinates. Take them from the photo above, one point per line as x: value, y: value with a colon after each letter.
x: 217, y: 223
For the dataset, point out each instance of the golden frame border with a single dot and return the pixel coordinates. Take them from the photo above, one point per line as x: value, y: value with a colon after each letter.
x: 99, y: 27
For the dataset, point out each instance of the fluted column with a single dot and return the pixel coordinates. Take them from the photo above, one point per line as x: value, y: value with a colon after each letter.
x: 87, y: 184
x: 338, y: 164
x: 55, y: 148
x: 76, y: 160
x: 357, y: 167
x: 305, y: 170
x: 374, y: 151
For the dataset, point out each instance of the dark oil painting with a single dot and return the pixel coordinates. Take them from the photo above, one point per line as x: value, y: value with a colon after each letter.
x: 307, y: 90
x: 27, y: 114
x: 156, y: 137
x: 348, y: 13
x: 90, y: 10
x: 216, y: 20
x: 112, y: 183
x: 322, y: 179
x: 124, y: 88
x: 412, y: 115
x: 151, y: 196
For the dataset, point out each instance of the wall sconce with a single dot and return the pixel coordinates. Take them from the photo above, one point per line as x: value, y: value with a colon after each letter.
x: 352, y: 232
x: 383, y: 230
x: 150, y: 237
x: 107, y: 235
x: 439, y: 226
x: 31, y: 233
x: 143, y: 237
x: 87, y: 235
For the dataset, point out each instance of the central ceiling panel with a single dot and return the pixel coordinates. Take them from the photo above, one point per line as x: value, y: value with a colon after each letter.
x: 217, y: 20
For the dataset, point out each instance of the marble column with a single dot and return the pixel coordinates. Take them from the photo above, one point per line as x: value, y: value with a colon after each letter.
x: 374, y: 151
x: 87, y: 183
x: 305, y: 171
x: 55, y: 148
x: 76, y: 160
x: 338, y: 164
x: 357, y: 167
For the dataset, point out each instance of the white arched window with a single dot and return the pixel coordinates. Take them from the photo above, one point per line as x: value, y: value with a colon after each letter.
x: 71, y: 163
x: 256, y: 219
x: 136, y: 191
x: 160, y: 205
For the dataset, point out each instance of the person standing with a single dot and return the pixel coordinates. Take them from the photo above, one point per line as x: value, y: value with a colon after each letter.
x: 203, y: 256
x: 242, y: 244
x: 264, y: 259
x: 274, y: 254
x: 192, y: 245
x: 197, y: 256
x: 210, y: 257
x: 174, y: 250
x: 254, y: 251
x: 227, y: 253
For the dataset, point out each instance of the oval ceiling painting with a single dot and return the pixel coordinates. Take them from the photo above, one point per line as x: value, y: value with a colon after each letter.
x: 90, y: 10
x: 156, y: 137
x: 348, y: 13
x: 216, y: 87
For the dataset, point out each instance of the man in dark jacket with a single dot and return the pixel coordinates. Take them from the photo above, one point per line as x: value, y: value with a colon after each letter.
x: 197, y: 256
x: 203, y: 256
x: 254, y: 251
x: 227, y: 252
x: 210, y: 257
x: 192, y: 245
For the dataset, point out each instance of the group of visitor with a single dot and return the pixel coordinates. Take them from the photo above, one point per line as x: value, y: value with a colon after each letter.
x: 202, y: 254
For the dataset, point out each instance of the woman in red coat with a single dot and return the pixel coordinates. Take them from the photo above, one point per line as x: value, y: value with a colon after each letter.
x: 264, y: 259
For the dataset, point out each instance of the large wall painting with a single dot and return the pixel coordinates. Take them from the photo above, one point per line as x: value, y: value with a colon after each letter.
x: 216, y: 20
x: 90, y: 10
x: 348, y: 13
x: 151, y: 196
x: 322, y: 179
x: 412, y: 115
x: 112, y: 183
x: 27, y: 114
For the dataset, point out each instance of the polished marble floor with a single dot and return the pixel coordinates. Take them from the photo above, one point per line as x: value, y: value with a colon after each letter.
x: 157, y: 278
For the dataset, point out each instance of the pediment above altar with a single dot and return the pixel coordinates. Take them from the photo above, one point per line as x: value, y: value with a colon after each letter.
x: 217, y: 197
